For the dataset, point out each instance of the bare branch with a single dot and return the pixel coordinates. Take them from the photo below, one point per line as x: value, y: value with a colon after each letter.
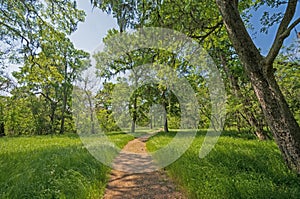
x: 293, y: 25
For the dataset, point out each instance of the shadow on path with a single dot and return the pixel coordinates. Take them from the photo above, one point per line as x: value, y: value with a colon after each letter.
x: 135, y: 175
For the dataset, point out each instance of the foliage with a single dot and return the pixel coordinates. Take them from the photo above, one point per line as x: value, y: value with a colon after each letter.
x: 288, y: 74
x: 200, y: 21
x: 25, y: 24
x: 104, y: 108
x: 34, y: 35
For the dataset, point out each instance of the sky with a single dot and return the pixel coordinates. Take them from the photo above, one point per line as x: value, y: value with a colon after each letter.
x: 264, y: 41
x: 91, y: 32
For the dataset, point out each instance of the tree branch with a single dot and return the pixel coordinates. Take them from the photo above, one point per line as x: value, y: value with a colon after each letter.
x: 282, y: 32
x: 46, y: 97
x: 293, y: 25
x: 211, y: 30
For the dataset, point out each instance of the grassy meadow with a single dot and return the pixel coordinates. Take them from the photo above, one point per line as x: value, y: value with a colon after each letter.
x: 52, y: 167
x: 238, y: 167
x: 60, y: 167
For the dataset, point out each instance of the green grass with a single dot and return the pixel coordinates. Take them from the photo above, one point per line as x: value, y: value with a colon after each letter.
x: 238, y: 167
x: 52, y: 167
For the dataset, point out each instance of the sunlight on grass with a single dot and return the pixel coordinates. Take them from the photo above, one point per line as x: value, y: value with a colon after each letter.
x: 238, y: 167
x: 52, y: 167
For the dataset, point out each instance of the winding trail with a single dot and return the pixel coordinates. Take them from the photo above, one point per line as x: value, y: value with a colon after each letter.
x: 135, y: 175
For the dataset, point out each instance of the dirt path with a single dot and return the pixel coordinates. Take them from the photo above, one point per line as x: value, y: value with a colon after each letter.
x: 135, y: 175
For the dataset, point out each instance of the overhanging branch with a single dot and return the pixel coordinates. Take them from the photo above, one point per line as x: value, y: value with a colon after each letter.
x: 282, y: 32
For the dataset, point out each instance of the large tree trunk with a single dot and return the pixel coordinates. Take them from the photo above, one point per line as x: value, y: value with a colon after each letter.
x: 261, y: 73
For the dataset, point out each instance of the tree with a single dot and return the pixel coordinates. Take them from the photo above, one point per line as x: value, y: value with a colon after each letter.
x: 200, y: 21
x: 260, y: 71
x: 24, y: 24
x: 104, y: 108
x: 6, y: 83
x: 34, y: 35
x: 51, y: 76
x: 128, y: 63
x: 144, y: 65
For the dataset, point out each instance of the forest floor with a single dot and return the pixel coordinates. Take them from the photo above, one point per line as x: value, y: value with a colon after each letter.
x: 135, y: 175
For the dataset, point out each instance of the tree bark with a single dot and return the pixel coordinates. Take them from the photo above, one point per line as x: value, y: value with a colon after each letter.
x: 260, y: 71
x: 280, y: 119
x: 134, y: 114
x: 62, y: 122
x: 166, y: 128
x: 2, y: 131
x: 165, y: 117
x: 132, y: 130
x: 53, y: 106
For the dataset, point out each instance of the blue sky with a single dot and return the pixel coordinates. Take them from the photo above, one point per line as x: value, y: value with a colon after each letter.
x: 90, y: 33
x: 264, y: 41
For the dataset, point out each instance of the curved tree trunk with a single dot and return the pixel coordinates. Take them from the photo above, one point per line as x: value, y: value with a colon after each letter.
x: 261, y: 74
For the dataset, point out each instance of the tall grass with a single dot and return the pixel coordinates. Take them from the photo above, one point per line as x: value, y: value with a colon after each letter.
x: 52, y: 167
x: 237, y: 167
